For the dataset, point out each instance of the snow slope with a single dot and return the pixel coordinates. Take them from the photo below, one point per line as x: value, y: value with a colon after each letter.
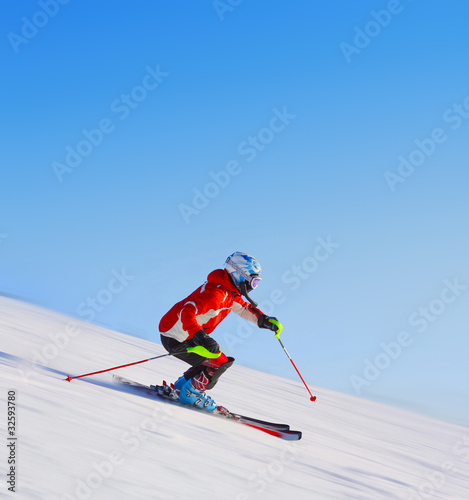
x: 93, y: 439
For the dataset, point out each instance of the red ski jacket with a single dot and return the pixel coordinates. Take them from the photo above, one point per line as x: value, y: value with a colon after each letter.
x: 206, y: 307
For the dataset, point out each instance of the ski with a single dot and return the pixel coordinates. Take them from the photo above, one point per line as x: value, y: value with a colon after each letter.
x: 255, y: 421
x: 165, y: 392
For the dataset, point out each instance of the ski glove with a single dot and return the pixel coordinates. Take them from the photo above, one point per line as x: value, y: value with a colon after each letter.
x: 270, y: 323
x: 202, y: 339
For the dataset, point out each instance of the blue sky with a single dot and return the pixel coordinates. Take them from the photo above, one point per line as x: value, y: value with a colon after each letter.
x: 204, y: 128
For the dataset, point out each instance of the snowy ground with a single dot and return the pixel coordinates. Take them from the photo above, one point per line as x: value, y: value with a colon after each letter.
x: 92, y: 439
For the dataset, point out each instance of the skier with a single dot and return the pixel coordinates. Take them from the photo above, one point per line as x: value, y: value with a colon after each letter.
x: 186, y: 327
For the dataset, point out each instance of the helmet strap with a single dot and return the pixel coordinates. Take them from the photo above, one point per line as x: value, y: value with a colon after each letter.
x: 244, y: 292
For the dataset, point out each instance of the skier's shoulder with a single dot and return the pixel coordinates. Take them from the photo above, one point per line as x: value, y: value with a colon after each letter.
x: 218, y: 282
x: 219, y: 278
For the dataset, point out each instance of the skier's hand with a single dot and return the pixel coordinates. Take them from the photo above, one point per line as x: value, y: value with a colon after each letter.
x: 270, y: 323
x: 204, y: 340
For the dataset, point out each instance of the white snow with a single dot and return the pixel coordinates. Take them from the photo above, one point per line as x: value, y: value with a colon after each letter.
x: 93, y: 439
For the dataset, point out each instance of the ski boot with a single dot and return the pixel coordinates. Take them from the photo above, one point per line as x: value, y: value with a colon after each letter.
x: 188, y: 394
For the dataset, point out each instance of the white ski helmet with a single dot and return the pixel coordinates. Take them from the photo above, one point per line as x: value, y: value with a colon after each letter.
x: 244, y: 271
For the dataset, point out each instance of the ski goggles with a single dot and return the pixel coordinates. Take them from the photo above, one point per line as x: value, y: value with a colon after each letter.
x: 254, y: 281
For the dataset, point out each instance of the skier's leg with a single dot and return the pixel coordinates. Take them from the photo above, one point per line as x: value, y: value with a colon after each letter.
x: 195, y: 381
x: 204, y: 373
x: 218, y: 373
x: 173, y: 346
x: 202, y: 368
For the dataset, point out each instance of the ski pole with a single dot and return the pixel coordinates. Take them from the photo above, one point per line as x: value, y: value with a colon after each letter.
x: 197, y: 350
x: 69, y: 379
x: 312, y: 398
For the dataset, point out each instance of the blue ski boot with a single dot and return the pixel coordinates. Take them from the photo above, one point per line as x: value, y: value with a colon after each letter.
x: 188, y: 394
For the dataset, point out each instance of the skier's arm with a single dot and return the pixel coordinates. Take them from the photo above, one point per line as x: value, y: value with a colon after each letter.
x: 188, y: 317
x: 246, y: 311
x: 256, y: 316
x: 197, y: 336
